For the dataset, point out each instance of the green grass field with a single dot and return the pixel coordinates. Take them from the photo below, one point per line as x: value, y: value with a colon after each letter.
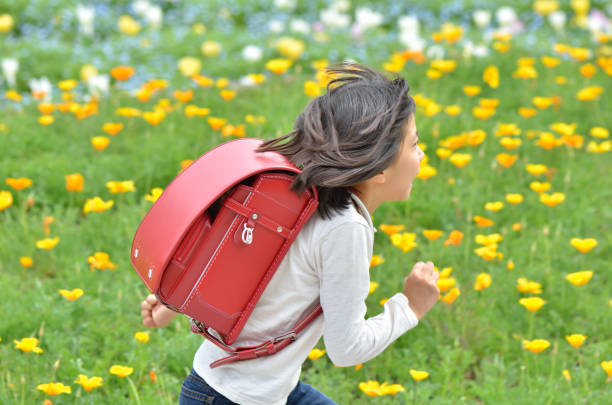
x: 471, y: 347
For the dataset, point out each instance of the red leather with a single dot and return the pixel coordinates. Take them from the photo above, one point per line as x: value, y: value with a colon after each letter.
x: 214, y: 265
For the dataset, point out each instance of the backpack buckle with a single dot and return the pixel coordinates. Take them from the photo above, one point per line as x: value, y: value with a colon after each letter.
x: 247, y: 234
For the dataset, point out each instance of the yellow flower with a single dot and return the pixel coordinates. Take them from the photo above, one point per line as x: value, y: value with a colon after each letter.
x: 210, y: 48
x: 454, y: 238
x: 539, y: 187
x: 513, y: 198
x: 100, y: 142
x: 193, y: 110
x: 494, y: 206
x: 373, y: 286
x: 112, y: 128
x: 121, y: 371
x: 487, y: 240
x: 71, y: 295
x: 536, y: 345
x: 510, y: 143
x: 542, y: 102
x: 445, y: 66
x: 489, y: 252
x: 404, y: 241
x: 545, y: 7
x: 53, y: 388
x: 418, y: 375
x: 510, y: 265
x: 432, y: 234
x: 452, y: 110
x: 607, y: 367
x: 583, y: 245
x: 567, y: 375
x: 316, y: 354
x: 278, y: 66
x: 47, y: 243
x: 129, y: 112
x: 527, y: 112
x: 46, y: 119
x: 443, y: 153
x: 550, y: 62
x: 100, y: 260
x: 460, y: 159
x: 433, y: 74
x: 526, y: 286
x: 563, y: 128
x: 128, y: 26
x: 552, y: 199
x: 154, y: 117
x: 28, y: 345
x: 533, y: 304
x: 471, y: 90
x: 88, y: 383
x: 67, y: 85
x: 450, y: 297
x: 290, y: 48
x: 120, y: 186
x: 141, y: 337
x: 525, y: 72
x: 491, y: 76
x: 589, y: 93
x: 426, y: 172
x: 6, y: 23
x: 445, y: 284
x: 483, y: 112
x: 222, y: 83
x: 26, y: 261
x: 155, y: 193
x: 483, y: 280
x: 216, y: 123
x: 96, y: 204
x: 579, y: 277
x: 312, y: 89
x: 599, y: 132
x: 536, y: 169
x: 576, y: 340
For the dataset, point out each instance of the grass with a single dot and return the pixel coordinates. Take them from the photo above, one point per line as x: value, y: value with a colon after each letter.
x: 471, y: 348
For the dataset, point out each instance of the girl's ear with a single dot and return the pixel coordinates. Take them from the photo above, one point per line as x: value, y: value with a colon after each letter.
x: 380, y: 178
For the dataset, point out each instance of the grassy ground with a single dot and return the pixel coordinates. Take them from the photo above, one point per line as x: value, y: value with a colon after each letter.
x: 472, y: 348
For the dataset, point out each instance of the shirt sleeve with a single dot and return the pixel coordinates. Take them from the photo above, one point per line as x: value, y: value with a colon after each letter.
x: 345, y: 282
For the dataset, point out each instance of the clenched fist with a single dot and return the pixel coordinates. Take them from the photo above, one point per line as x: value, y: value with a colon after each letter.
x: 421, y: 289
x: 154, y: 313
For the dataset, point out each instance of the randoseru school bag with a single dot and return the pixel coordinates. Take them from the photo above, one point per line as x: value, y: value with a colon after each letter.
x: 212, y: 241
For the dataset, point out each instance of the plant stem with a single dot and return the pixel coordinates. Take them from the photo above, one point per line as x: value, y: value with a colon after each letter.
x: 134, y: 390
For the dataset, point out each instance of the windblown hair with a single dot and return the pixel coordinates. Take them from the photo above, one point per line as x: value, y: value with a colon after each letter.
x: 349, y: 134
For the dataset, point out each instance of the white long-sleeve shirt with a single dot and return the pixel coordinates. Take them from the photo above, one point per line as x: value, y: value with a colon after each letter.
x: 328, y: 263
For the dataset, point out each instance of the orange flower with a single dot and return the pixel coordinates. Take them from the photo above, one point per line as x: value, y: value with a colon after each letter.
x: 454, y: 238
x: 583, y: 245
x: 451, y: 296
x: 552, y: 199
x: 391, y: 229
x: 527, y: 112
x: 227, y: 95
x: 46, y: 108
x: 376, y: 260
x: 101, y: 261
x: 71, y: 295
x: 26, y: 261
x: 154, y: 117
x: 153, y: 376
x: 588, y: 70
x: 482, y: 221
x: 506, y: 160
x: 54, y: 388
x: 579, y: 277
x: 432, y: 234
x: 536, y: 345
x: 483, y: 113
x: 20, y: 183
x: 460, y: 159
x: 122, y: 73
x: 74, y: 182
x: 576, y: 340
x: 483, y: 280
x: 183, y: 96
x: 112, y: 128
x: 216, y: 123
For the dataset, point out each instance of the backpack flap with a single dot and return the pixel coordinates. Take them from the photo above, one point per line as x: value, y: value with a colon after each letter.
x: 187, y: 197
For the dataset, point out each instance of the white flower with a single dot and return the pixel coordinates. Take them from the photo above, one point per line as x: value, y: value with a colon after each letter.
x: 366, y: 18
x: 42, y: 85
x: 341, y: 5
x: 481, y: 18
x: 435, y: 52
x: 86, y: 15
x: 505, y: 16
x: 299, y: 26
x: 285, y: 5
x: 276, y: 26
x: 598, y: 22
x: 479, y: 51
x: 252, y: 53
x: 557, y: 19
x: 98, y: 85
x: 408, y: 23
x: 334, y: 19
x: 141, y: 6
x: 411, y: 42
x: 154, y: 16
x: 247, y: 81
x: 10, y: 67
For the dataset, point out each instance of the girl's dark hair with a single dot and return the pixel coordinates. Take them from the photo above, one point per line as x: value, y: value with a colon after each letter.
x: 347, y: 135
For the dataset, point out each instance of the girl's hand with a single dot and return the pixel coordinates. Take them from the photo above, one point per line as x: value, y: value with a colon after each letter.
x: 155, y: 314
x: 421, y: 289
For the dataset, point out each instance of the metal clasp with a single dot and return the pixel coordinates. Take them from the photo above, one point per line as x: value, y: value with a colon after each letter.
x: 247, y: 234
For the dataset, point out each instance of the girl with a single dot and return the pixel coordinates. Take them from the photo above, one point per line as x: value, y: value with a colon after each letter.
x: 358, y: 145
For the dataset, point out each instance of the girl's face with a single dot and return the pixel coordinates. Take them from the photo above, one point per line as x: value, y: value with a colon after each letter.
x: 400, y: 175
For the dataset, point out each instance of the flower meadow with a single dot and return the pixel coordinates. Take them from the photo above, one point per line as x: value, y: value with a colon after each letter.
x: 102, y: 105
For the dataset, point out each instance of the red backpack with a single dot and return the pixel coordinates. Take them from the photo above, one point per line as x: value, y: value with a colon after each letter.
x: 212, y: 241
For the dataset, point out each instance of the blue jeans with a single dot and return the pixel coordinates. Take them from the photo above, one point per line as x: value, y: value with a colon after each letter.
x: 195, y: 391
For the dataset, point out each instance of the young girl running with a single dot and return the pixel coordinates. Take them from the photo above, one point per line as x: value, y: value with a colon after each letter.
x: 358, y: 145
